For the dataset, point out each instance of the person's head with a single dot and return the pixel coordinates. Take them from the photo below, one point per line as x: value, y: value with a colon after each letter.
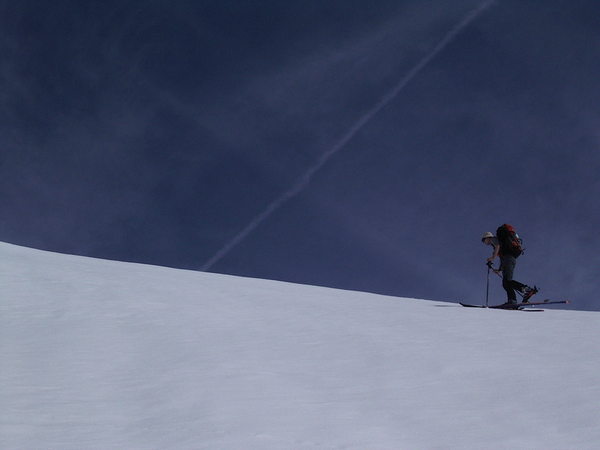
x: 487, y: 238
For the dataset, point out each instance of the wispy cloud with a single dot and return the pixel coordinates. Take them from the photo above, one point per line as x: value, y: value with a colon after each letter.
x: 303, y: 182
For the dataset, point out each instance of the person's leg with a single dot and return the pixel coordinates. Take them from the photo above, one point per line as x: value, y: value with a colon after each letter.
x: 508, y: 268
x: 518, y: 286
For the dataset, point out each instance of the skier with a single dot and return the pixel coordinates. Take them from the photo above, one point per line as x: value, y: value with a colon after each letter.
x: 508, y: 262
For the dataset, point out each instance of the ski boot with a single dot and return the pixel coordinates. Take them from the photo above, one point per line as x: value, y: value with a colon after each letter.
x: 529, y: 292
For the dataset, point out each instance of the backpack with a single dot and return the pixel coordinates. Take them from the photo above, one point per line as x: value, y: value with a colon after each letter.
x: 509, y: 240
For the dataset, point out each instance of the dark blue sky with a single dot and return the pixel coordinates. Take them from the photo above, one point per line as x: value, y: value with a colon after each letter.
x: 155, y: 131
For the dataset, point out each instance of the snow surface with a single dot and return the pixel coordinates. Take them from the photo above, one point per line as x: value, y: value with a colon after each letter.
x: 102, y: 354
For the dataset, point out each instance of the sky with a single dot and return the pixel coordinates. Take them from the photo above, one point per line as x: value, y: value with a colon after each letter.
x: 348, y: 144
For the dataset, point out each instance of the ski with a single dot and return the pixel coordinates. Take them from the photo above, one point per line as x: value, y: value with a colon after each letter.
x: 518, y: 306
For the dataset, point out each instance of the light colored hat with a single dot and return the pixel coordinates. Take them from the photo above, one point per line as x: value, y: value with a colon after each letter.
x: 487, y: 234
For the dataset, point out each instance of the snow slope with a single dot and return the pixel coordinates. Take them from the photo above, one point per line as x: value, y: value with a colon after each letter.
x: 98, y: 354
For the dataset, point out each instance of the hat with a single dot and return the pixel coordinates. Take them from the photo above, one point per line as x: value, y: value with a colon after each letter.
x: 486, y: 235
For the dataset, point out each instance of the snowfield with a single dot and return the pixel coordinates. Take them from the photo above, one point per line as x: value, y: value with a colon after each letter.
x: 99, y: 354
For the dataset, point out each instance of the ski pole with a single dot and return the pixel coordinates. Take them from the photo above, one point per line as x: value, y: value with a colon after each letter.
x: 487, y: 287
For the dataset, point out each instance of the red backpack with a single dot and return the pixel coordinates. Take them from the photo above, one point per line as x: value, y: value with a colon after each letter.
x: 509, y: 240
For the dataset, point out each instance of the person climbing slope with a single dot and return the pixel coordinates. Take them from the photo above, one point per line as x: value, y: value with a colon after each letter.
x: 508, y: 247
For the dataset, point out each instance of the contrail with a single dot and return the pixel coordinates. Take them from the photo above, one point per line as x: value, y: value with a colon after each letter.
x: 303, y: 182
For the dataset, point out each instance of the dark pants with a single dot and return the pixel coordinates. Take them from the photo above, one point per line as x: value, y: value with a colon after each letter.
x: 508, y: 264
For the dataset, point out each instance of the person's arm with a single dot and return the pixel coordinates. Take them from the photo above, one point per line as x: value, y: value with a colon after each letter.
x: 496, y: 250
